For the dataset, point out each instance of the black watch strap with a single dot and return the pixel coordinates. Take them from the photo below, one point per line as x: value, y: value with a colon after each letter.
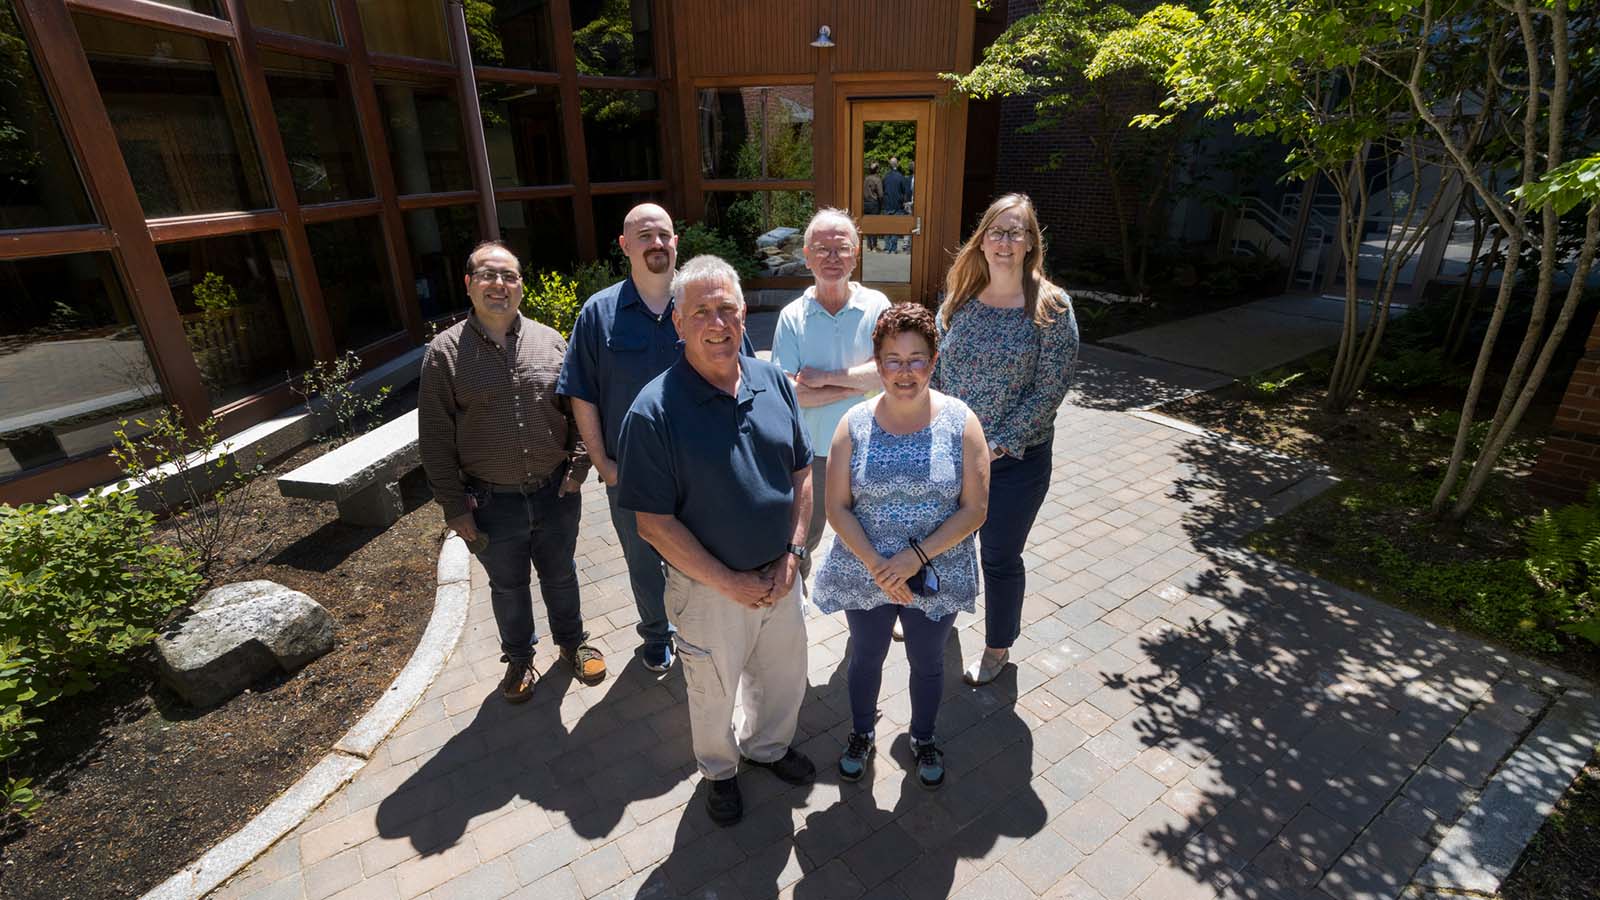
x: 798, y: 551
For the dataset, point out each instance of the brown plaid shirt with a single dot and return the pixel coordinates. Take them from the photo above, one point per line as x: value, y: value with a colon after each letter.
x: 492, y: 414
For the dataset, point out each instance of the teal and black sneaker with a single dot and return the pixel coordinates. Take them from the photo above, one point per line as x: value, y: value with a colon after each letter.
x: 930, y: 763
x: 853, y: 761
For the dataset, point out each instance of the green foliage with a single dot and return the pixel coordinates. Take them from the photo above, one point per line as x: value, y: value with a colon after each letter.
x: 699, y: 239
x: 1565, y: 186
x: 594, y: 276
x: 16, y: 727
x: 1410, y: 369
x: 886, y: 140
x: 82, y: 583
x: 604, y: 45
x: 1564, y: 562
x: 1273, y: 385
x: 214, y: 295
x: 334, y: 382
x: 206, y: 490
x: 552, y: 299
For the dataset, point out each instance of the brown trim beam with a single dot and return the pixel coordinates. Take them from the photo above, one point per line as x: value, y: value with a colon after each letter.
x: 619, y: 83
x: 472, y: 120
x: 341, y: 209
x: 738, y: 81
x: 146, y: 12
x: 55, y: 241
x: 651, y: 186
x: 572, y: 129
x: 434, y: 201
x: 188, y: 228
x: 410, y: 64
x: 516, y: 76
x: 733, y: 184
x: 540, y: 192
x: 298, y: 45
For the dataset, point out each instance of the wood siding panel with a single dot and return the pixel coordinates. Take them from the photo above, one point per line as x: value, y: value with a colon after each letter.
x: 749, y: 37
x: 925, y: 36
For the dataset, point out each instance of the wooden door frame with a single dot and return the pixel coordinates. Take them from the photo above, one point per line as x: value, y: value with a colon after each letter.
x: 926, y: 159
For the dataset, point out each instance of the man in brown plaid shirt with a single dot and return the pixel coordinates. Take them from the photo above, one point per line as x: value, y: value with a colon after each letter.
x: 505, y: 460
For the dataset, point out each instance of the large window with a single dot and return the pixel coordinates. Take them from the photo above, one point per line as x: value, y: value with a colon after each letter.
x: 72, y: 360
x: 317, y: 121
x: 522, y: 128
x: 516, y: 36
x: 540, y: 233
x: 308, y: 18
x: 39, y: 186
x: 620, y: 129
x: 356, y: 287
x: 756, y: 132
x: 240, y: 316
x: 405, y: 28
x: 768, y: 226
x: 174, y: 102
x: 440, y: 240
x: 612, y: 37
x: 423, y: 124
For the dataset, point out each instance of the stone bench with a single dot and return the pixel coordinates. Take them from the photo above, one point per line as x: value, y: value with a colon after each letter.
x: 363, y: 476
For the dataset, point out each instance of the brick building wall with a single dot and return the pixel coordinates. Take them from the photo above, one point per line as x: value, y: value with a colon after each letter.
x: 1570, y: 461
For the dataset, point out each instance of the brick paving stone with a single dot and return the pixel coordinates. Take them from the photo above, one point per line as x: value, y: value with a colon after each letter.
x: 1042, y: 860
x: 1078, y: 773
x: 1473, y: 750
x: 547, y: 853
x: 423, y: 874
x: 1086, y: 716
x: 1316, y: 837
x: 490, y: 881
x: 1116, y: 869
x: 1073, y: 888
x: 332, y: 875
x: 379, y: 887
x: 1443, y: 795
x: 558, y: 885
x: 1130, y: 791
x: 996, y: 884
x: 1089, y: 823
x: 1282, y: 870
x: 882, y: 855
x: 600, y: 870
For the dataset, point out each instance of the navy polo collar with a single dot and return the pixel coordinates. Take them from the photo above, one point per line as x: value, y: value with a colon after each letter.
x: 629, y: 295
x: 704, y: 391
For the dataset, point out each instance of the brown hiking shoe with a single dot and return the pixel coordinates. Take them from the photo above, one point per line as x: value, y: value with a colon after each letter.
x: 588, y: 666
x: 517, y: 686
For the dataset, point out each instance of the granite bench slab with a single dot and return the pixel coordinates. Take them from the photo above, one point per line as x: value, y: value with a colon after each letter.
x: 363, y: 476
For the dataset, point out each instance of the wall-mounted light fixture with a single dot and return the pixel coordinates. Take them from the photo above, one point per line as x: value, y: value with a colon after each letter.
x: 824, y: 37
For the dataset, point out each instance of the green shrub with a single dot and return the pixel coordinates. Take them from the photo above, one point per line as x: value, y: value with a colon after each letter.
x: 16, y: 729
x: 335, y: 382
x: 81, y: 585
x: 552, y: 298
x: 699, y: 239
x: 1408, y: 370
x: 1564, y: 562
x: 1273, y: 385
x: 592, y: 277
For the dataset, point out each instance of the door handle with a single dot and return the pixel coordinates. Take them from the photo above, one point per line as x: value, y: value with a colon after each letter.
x: 918, y: 228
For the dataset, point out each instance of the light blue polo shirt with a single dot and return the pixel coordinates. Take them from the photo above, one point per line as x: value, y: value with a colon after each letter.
x: 808, y: 335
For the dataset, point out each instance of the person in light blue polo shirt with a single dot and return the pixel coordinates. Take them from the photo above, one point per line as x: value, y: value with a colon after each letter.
x: 717, y: 466
x: 823, y: 342
x: 624, y: 337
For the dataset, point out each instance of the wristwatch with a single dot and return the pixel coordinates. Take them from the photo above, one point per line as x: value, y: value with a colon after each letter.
x: 798, y: 551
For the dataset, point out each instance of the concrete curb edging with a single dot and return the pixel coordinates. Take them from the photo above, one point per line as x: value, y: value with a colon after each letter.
x: 350, y: 754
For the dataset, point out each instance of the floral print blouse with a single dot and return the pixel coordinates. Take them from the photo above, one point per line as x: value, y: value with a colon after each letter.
x: 1012, y: 373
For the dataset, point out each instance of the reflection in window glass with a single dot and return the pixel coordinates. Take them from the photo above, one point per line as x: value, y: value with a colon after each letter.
x: 72, y: 360
x: 619, y: 128
x: 208, y: 7
x: 423, y: 124
x: 356, y: 287
x: 405, y: 28
x: 540, y: 233
x: 307, y: 18
x: 612, y: 37
x: 317, y: 120
x: 239, y: 311
x: 39, y: 185
x: 180, y: 121
x: 440, y: 241
x: 756, y: 132
x: 609, y: 211
x: 516, y: 36
x: 888, y: 158
x: 522, y: 127
x: 767, y: 226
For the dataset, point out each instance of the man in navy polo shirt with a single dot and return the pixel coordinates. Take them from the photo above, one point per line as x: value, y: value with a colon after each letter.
x: 716, y: 464
x: 624, y: 337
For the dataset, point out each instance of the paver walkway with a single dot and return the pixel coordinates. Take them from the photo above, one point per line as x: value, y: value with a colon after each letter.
x: 1185, y: 720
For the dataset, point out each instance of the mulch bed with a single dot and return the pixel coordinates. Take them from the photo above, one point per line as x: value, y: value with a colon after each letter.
x: 137, y: 785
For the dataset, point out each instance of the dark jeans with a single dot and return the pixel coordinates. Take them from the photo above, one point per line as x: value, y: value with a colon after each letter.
x: 1016, y: 491
x: 645, y: 573
x: 870, y: 633
x: 542, y: 528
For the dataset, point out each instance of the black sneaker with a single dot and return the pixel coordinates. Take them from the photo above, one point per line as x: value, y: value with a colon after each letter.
x: 517, y: 685
x: 724, y: 803
x: 858, y: 749
x: 930, y: 763
x: 792, y: 767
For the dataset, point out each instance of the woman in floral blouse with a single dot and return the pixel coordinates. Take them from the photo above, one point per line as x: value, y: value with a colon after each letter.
x: 1008, y: 347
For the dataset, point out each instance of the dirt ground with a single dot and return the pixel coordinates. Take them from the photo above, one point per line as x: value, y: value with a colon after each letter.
x: 136, y: 784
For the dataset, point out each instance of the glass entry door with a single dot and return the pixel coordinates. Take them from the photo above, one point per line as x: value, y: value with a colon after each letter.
x: 890, y: 143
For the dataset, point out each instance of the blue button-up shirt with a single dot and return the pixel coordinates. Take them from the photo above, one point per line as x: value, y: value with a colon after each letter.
x: 808, y: 335
x: 617, y: 346
x: 722, y: 465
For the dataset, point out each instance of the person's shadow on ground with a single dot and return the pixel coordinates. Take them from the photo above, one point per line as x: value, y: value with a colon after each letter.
x: 836, y: 839
x: 631, y: 745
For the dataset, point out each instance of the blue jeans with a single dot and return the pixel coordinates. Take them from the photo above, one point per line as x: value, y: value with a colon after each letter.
x: 645, y: 574
x: 1017, y: 488
x: 542, y: 528
x: 870, y: 633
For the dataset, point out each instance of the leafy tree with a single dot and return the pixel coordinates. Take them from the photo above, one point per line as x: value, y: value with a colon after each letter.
x: 1103, y: 60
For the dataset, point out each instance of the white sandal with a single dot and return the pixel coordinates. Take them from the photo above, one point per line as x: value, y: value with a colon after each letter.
x: 986, y: 666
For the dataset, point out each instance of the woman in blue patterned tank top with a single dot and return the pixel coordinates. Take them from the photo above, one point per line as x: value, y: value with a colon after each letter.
x: 915, y: 490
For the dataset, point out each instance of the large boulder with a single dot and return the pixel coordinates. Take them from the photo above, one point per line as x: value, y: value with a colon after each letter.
x: 238, y: 633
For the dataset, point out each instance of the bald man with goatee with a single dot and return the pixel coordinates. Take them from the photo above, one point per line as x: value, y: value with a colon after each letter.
x: 624, y: 337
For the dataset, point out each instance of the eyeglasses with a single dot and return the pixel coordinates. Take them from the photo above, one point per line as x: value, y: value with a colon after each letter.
x: 831, y: 252
x: 490, y: 276
x: 1007, y: 235
x: 916, y: 364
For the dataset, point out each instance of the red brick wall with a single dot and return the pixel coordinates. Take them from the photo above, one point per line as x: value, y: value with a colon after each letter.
x: 1570, y: 461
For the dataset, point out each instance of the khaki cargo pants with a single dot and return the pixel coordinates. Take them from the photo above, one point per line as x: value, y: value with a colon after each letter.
x: 752, y: 661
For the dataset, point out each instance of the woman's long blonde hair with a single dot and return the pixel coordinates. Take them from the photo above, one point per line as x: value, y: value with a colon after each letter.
x: 969, y: 274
